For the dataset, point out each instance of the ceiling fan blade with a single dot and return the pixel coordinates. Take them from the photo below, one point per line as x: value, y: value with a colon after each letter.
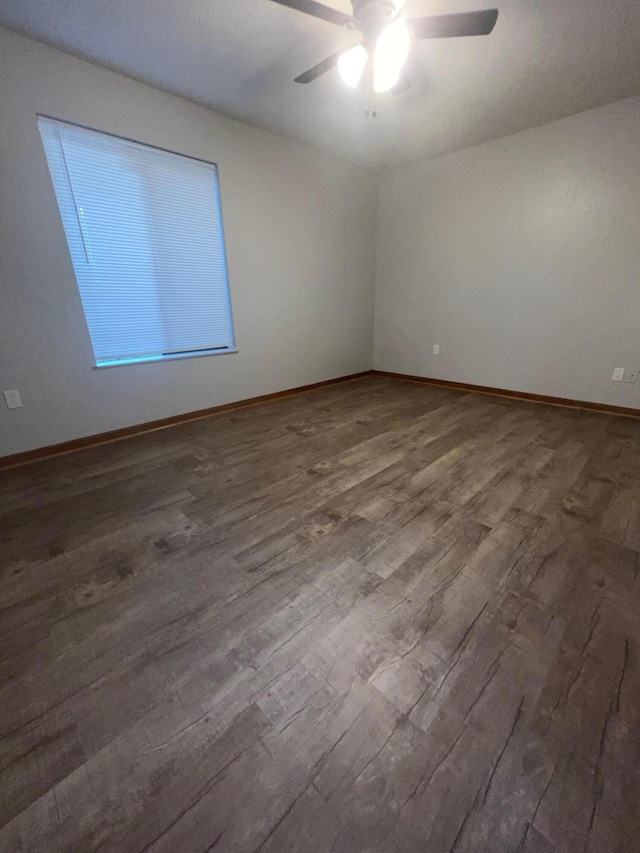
x: 319, y: 10
x: 319, y: 69
x: 453, y: 26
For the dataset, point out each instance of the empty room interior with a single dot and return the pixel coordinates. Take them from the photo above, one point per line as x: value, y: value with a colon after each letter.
x: 319, y: 426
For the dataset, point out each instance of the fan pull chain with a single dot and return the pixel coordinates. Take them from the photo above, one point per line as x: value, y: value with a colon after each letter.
x: 368, y: 111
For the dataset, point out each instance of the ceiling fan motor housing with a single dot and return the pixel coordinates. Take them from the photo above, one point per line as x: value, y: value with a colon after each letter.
x: 381, y: 8
x: 372, y: 16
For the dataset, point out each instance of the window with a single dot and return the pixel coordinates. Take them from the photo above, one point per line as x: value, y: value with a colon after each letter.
x: 144, y: 229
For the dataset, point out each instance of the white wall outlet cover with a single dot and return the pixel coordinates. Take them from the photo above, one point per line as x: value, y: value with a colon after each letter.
x: 12, y: 399
x: 618, y: 374
x: 436, y: 349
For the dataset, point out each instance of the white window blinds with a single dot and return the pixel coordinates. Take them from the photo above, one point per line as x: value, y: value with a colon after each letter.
x: 144, y: 229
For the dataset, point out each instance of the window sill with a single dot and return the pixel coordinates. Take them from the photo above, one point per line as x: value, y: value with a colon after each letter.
x: 155, y: 359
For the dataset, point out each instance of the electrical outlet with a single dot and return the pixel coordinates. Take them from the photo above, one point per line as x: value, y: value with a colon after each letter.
x: 436, y: 349
x: 631, y: 376
x: 12, y: 399
x: 618, y: 374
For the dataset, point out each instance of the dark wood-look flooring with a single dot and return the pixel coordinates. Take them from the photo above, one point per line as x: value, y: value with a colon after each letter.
x: 377, y: 617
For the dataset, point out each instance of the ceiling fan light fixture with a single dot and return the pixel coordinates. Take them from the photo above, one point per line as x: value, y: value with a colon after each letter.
x: 351, y: 65
x: 392, y: 49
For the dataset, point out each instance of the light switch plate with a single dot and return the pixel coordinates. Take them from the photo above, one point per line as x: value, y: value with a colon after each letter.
x: 618, y: 374
x: 436, y: 349
x: 631, y: 376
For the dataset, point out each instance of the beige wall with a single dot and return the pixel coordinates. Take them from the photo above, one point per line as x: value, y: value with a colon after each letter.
x: 300, y: 231
x: 521, y: 258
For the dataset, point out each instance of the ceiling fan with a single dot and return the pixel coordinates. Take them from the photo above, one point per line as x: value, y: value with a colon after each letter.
x: 386, y: 37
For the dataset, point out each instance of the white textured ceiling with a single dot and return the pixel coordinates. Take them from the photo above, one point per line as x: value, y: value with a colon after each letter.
x: 545, y: 59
